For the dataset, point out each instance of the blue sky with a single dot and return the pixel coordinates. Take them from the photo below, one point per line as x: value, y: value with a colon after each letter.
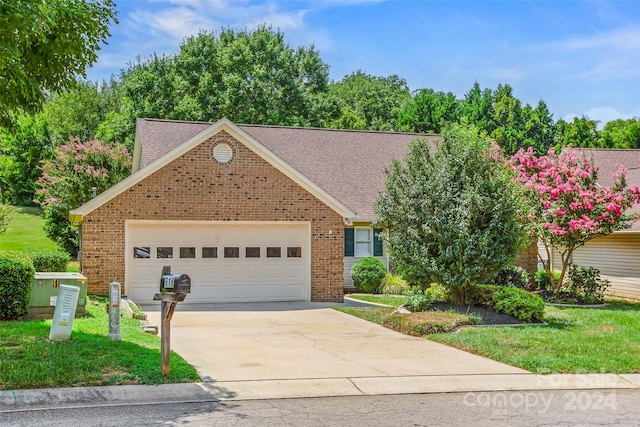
x: 580, y: 57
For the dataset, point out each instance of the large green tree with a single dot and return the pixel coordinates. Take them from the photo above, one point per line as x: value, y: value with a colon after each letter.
x: 507, y: 119
x: 539, y: 128
x: 44, y: 46
x: 246, y: 76
x: 428, y: 111
x: 362, y: 98
x: 76, y: 112
x: 621, y: 133
x: 452, y: 213
x: 581, y: 132
x: 477, y: 108
x: 23, y: 149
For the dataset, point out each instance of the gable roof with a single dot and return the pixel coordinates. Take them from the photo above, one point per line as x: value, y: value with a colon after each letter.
x: 346, y: 164
x: 342, y: 168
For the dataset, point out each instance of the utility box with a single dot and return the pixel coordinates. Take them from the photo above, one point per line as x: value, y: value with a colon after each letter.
x: 44, y: 293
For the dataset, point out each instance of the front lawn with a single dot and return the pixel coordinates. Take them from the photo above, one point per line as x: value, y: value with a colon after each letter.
x: 576, y: 340
x: 25, y: 231
x: 29, y: 360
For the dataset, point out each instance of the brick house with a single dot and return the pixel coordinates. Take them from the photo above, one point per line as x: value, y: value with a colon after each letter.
x: 250, y: 212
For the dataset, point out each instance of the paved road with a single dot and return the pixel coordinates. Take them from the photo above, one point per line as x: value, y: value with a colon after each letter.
x: 530, y: 408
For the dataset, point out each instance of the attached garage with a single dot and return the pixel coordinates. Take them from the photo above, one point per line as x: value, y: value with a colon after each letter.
x: 227, y: 262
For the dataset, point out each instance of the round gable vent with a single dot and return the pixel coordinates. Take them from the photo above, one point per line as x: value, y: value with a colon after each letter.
x: 223, y: 153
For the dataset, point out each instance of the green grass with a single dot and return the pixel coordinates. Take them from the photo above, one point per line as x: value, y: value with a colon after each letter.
x: 576, y: 340
x: 29, y: 360
x: 25, y: 231
x: 372, y: 314
x: 392, y: 300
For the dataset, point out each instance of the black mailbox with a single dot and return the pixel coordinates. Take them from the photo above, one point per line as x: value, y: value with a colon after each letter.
x: 176, y: 283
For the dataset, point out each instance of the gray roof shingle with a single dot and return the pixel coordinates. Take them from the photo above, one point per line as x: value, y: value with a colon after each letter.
x: 346, y: 164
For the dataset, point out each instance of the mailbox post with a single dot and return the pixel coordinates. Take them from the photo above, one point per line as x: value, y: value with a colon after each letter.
x: 173, y: 289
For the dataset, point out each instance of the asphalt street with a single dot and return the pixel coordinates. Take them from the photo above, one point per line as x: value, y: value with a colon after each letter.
x: 514, y: 408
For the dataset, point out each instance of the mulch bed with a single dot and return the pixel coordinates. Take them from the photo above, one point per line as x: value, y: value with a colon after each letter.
x: 564, y: 298
x: 489, y: 315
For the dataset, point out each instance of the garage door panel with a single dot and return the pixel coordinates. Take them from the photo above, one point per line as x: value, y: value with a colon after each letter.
x: 273, y: 278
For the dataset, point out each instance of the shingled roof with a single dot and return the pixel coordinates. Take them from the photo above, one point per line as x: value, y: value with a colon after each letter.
x: 346, y: 164
x: 607, y: 160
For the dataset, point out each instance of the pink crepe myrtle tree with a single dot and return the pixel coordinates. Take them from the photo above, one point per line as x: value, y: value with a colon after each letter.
x: 68, y: 179
x: 567, y: 205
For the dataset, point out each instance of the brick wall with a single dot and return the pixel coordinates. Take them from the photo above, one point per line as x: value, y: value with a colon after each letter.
x: 528, y: 258
x: 196, y: 187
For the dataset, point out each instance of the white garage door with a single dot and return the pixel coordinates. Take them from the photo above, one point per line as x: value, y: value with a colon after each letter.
x: 227, y: 262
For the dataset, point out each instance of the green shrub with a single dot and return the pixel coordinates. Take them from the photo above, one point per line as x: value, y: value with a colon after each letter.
x: 437, y: 292
x: 393, y: 284
x: 16, y: 277
x: 541, y: 277
x: 418, y: 299
x: 519, y: 303
x: 481, y: 295
x: 587, y: 283
x: 512, y: 275
x: 367, y: 274
x: 48, y: 260
x: 428, y: 322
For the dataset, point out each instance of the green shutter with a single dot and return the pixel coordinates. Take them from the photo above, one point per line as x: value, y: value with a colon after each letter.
x: 377, y: 242
x: 348, y: 242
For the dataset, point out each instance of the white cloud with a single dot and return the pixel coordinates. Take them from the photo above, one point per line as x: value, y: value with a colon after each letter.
x: 602, y: 115
x: 175, y: 22
x: 627, y: 38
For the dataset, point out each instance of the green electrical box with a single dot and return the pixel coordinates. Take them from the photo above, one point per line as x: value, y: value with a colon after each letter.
x: 44, y: 293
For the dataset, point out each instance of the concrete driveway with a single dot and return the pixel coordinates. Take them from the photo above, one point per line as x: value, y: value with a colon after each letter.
x: 302, y: 340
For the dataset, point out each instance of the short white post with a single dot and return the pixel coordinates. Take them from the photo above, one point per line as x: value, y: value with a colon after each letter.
x: 114, y: 311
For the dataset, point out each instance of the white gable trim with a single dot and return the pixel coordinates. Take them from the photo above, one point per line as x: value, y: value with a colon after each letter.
x: 251, y: 143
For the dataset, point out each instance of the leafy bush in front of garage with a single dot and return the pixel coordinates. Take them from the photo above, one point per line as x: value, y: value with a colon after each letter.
x: 48, y: 260
x: 367, y: 274
x: 16, y: 277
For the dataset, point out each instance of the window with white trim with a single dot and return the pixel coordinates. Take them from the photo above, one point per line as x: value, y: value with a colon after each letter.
x: 362, y: 242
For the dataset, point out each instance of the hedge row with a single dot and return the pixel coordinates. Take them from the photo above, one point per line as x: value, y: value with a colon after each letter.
x: 16, y: 276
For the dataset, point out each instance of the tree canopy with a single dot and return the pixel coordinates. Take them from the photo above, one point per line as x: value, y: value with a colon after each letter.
x: 246, y: 76
x: 44, y: 46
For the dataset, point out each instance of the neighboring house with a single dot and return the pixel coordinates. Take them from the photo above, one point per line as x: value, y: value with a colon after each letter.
x: 616, y: 255
x: 250, y: 212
